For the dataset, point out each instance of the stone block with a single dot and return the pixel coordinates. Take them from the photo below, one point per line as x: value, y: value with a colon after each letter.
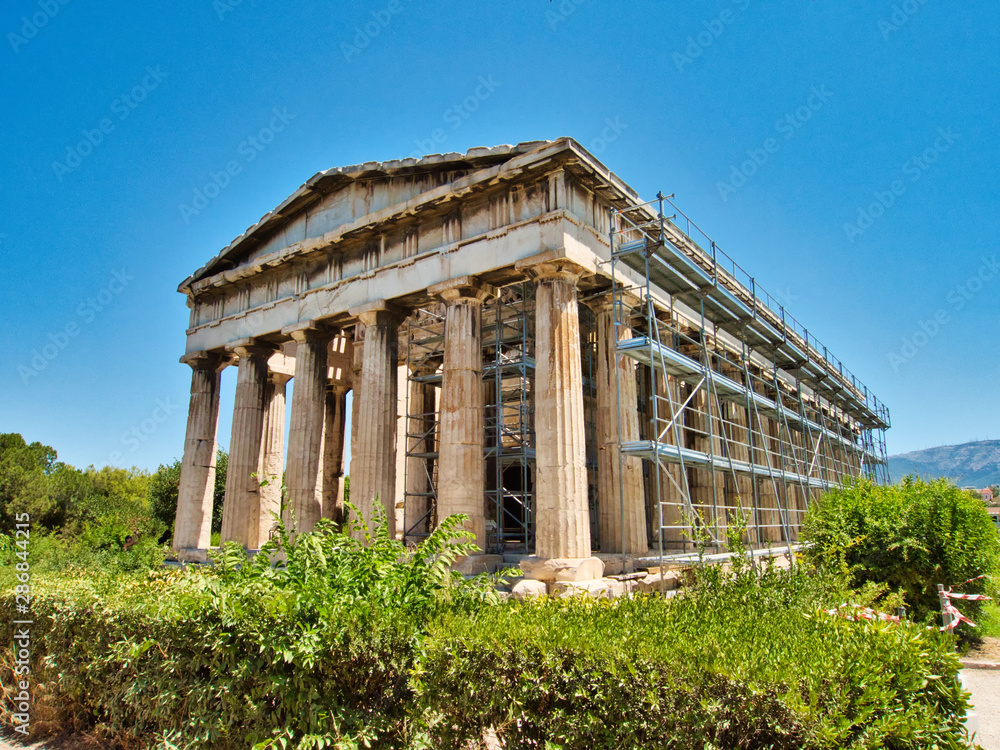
x: 614, y: 565
x: 618, y: 587
x: 656, y: 582
x: 473, y: 565
x: 191, y: 555
x: 551, y: 570
x: 596, y: 589
x: 527, y: 588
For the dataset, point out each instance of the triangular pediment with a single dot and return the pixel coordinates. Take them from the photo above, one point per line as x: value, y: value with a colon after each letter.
x: 343, y: 197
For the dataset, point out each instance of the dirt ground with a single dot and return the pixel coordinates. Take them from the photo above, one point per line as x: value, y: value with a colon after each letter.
x: 988, y: 651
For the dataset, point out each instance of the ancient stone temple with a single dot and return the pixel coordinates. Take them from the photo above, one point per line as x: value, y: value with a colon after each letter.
x: 520, y: 339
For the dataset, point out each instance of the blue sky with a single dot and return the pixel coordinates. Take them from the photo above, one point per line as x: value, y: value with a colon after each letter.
x: 844, y: 153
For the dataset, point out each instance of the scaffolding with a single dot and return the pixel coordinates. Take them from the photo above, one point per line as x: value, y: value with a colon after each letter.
x: 746, y: 417
x: 424, y: 336
x: 509, y: 375
x: 509, y: 440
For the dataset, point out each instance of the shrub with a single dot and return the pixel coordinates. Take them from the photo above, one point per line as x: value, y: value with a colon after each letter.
x: 910, y: 536
x: 735, y: 662
x: 243, y: 651
x: 347, y: 644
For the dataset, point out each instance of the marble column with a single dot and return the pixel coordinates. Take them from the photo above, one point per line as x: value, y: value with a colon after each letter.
x: 667, y: 390
x: 620, y: 503
x: 562, y: 518
x: 241, y: 510
x: 305, y: 438
x: 461, y: 467
x: 702, y: 428
x: 272, y: 462
x: 333, y: 452
x: 357, y: 358
x: 766, y: 454
x: 373, y: 470
x: 739, y: 489
x: 193, y: 524
x: 399, y: 496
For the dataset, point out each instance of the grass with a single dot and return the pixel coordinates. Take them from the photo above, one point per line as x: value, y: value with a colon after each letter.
x: 989, y: 621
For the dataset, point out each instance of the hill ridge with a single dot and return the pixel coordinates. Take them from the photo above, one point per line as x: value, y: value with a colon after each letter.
x: 973, y: 463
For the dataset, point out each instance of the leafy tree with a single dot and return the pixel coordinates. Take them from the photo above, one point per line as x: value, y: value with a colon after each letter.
x: 25, y: 486
x: 164, y: 486
x: 911, y: 536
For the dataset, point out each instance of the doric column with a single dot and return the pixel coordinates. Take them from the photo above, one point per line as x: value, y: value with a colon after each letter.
x: 765, y: 454
x: 333, y: 452
x: 461, y: 468
x: 399, y: 496
x: 667, y: 392
x: 305, y: 438
x: 702, y: 423
x: 241, y: 511
x: 272, y: 461
x: 373, y: 466
x: 621, y: 511
x: 193, y: 524
x: 357, y: 358
x: 562, y: 519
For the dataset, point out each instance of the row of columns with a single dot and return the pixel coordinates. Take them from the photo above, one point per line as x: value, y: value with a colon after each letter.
x: 315, y: 445
x: 314, y: 466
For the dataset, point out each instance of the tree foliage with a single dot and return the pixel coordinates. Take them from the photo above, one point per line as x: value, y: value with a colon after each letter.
x: 911, y: 536
x: 165, y: 483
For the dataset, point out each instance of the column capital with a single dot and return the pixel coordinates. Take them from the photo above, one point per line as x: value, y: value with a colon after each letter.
x: 338, y: 388
x: 202, y: 360
x: 552, y: 265
x: 310, y: 330
x: 250, y: 346
x: 461, y: 289
x: 278, y: 378
x: 605, y: 301
x: 378, y: 312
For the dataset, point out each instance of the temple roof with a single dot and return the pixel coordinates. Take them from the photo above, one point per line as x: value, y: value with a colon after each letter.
x: 323, y: 183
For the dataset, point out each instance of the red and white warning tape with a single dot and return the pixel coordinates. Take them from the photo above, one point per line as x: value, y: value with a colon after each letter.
x: 968, y: 597
x: 956, y: 618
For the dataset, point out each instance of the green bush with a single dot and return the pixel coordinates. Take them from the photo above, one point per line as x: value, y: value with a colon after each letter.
x: 348, y: 644
x: 735, y: 663
x: 246, y: 650
x: 910, y: 536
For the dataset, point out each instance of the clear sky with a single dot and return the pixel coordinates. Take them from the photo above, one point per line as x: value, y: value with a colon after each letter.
x: 845, y: 153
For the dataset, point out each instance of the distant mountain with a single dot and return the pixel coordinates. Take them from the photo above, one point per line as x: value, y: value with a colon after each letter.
x: 969, y: 464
